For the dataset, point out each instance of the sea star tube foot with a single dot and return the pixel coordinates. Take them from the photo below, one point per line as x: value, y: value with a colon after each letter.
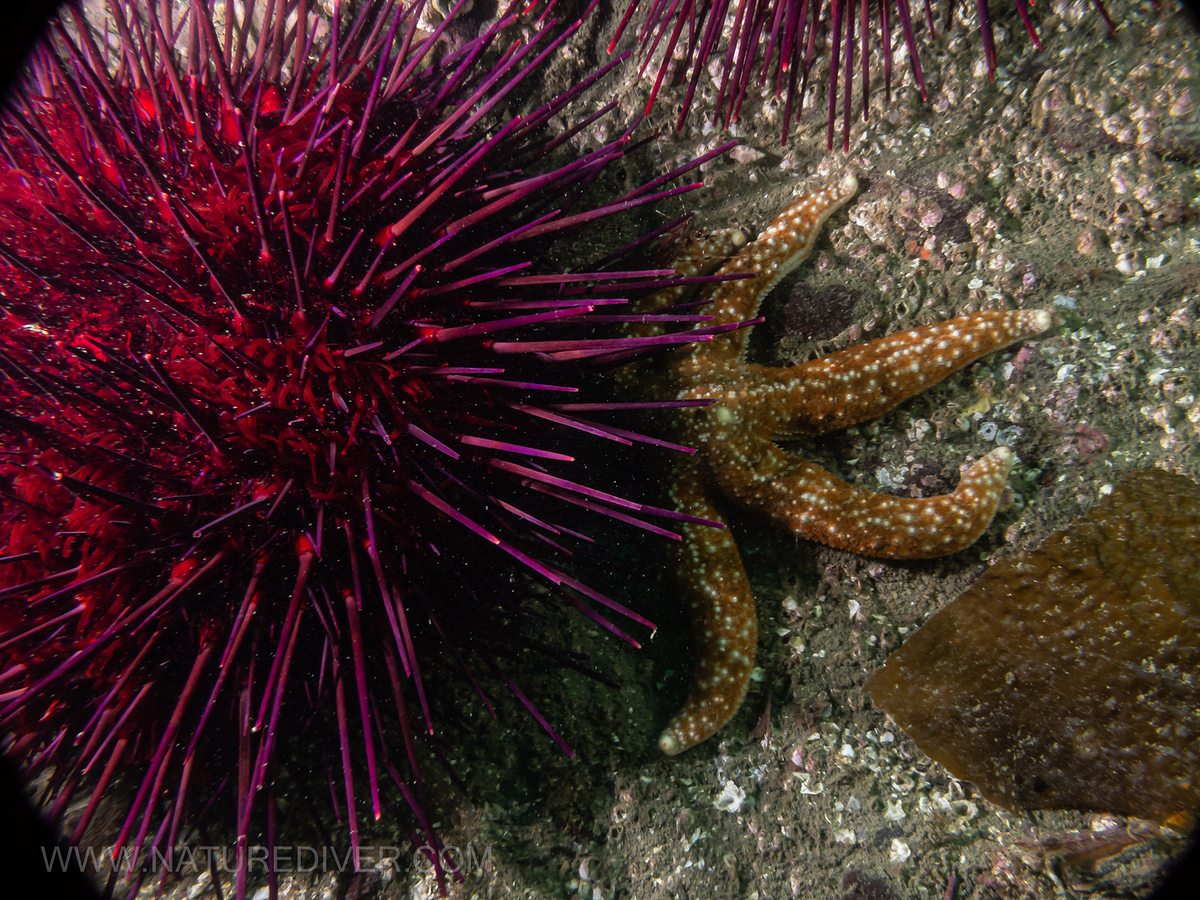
x: 738, y: 462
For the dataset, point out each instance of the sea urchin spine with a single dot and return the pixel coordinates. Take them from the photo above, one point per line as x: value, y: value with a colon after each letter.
x: 278, y: 332
x: 784, y: 35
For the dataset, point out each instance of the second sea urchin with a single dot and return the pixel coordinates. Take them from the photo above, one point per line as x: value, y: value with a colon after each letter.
x: 777, y: 42
x: 282, y: 359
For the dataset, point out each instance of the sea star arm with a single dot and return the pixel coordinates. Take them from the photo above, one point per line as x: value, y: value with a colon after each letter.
x: 710, y: 579
x: 803, y: 497
x: 866, y: 381
x: 776, y: 252
x: 700, y: 255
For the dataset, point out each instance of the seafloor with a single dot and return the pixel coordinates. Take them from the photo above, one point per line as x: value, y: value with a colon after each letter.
x: 1070, y: 182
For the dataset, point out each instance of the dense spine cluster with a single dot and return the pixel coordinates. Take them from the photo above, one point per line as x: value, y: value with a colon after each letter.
x: 756, y: 42
x: 284, y: 373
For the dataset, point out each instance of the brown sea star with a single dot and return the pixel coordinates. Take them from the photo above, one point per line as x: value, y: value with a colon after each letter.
x: 738, y: 462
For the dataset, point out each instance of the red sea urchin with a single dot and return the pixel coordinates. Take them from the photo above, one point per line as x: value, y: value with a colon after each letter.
x: 784, y: 35
x: 281, y: 356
